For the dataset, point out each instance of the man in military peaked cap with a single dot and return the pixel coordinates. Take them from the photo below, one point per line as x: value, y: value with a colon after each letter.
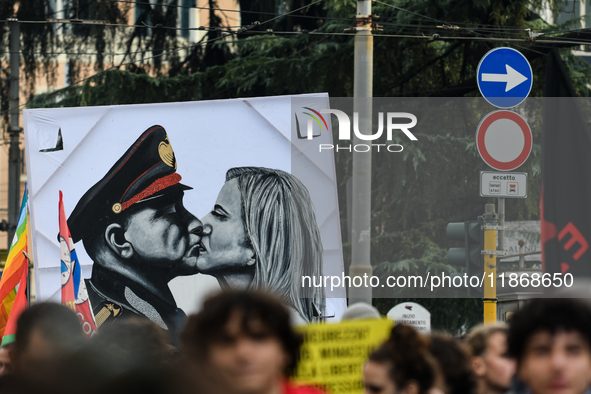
x: 140, y: 236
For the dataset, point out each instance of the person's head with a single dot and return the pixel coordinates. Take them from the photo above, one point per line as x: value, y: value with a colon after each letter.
x: 244, y: 341
x: 127, y: 356
x: 134, y: 217
x: 5, y: 360
x: 551, y: 340
x: 134, y: 344
x: 160, y: 234
x: 453, y: 361
x: 45, y: 333
x: 262, y: 234
x: 402, y: 364
x: 491, y: 363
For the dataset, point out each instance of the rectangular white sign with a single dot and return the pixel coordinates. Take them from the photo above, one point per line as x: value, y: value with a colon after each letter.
x: 503, y: 184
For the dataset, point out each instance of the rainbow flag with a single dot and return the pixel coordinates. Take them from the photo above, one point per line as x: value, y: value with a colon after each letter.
x: 15, y: 270
x: 20, y: 304
x: 74, y: 293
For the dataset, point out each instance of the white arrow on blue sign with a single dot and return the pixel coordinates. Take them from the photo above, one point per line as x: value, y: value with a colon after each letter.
x: 504, y: 77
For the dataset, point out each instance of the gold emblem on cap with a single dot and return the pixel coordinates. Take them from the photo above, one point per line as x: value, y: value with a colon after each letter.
x: 166, y: 153
x: 117, y: 207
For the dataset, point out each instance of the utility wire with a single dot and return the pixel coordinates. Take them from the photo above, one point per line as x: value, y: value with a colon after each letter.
x: 446, y: 25
x: 224, y: 34
x: 239, y: 11
x: 431, y: 37
x: 139, y: 51
x: 219, y: 9
x: 538, y: 42
x: 103, y: 23
x: 227, y: 31
x: 291, y: 12
x: 458, y: 25
x: 449, y: 25
x: 261, y: 70
x: 327, y: 34
x: 494, y: 27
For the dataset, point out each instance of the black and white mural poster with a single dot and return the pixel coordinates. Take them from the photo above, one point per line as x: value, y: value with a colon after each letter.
x: 169, y: 202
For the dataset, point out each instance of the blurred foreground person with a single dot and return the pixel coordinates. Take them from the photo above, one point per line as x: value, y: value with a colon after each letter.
x: 242, y: 343
x: 135, y: 344
x: 45, y: 333
x: 491, y: 363
x: 5, y: 361
x: 551, y: 340
x: 128, y: 356
x: 453, y: 360
x: 402, y: 364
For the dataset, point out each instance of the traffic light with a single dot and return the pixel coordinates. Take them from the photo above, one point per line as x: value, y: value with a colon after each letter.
x: 470, y: 256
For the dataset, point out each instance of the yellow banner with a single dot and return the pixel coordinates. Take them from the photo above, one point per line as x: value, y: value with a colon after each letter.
x: 333, y: 355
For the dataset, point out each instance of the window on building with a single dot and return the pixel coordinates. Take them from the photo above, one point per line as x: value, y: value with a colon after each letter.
x: 142, y: 15
x: 186, y: 20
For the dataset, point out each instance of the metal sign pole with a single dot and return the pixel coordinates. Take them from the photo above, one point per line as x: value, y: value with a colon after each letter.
x: 361, y: 189
x: 490, y: 221
x: 14, y: 170
x: 501, y: 208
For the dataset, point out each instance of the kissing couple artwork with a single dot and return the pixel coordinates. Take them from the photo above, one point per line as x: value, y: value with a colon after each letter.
x: 161, y: 207
x: 261, y: 233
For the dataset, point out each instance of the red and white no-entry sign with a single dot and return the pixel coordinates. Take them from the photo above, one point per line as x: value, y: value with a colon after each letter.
x: 504, y: 140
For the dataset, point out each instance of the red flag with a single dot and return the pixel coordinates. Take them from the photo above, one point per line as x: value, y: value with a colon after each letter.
x: 74, y: 293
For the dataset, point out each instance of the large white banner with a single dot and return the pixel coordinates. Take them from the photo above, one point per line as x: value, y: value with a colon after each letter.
x: 120, y: 170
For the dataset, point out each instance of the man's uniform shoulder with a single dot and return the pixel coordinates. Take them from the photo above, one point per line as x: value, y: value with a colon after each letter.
x: 104, y: 309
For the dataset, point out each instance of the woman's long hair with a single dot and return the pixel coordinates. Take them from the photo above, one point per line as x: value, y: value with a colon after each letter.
x: 279, y: 221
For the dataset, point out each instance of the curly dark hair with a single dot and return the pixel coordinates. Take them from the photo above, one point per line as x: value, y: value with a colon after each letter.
x: 407, y: 353
x: 551, y: 315
x: 254, y: 307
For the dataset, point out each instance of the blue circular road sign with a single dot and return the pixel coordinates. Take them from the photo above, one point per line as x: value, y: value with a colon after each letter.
x: 504, y: 77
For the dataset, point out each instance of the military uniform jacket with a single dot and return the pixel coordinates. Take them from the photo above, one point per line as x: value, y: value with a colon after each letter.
x: 114, y: 297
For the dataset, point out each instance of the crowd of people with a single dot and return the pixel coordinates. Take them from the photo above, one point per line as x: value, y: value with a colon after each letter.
x: 243, y: 343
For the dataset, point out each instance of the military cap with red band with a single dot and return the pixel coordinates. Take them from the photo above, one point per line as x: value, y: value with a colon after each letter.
x: 147, y: 170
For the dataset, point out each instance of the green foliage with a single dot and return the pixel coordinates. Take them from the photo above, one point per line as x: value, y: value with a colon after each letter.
x: 579, y: 71
x: 123, y: 87
x: 341, y: 7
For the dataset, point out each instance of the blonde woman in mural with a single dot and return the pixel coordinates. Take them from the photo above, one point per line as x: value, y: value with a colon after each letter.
x: 262, y: 234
